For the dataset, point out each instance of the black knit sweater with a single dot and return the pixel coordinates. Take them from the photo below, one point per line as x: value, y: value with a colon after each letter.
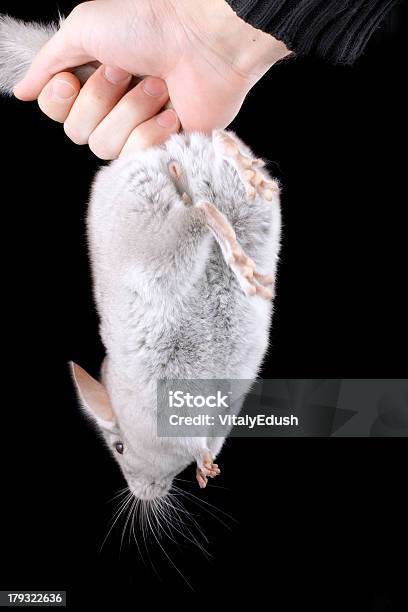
x: 336, y: 29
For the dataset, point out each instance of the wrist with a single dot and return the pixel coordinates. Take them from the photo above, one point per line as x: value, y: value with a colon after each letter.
x: 249, y: 51
x: 255, y: 50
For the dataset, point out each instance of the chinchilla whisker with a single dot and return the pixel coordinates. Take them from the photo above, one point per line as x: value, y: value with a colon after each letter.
x: 174, y: 508
x: 152, y: 531
x: 132, y: 522
x: 154, y: 517
x: 205, y: 506
x: 191, y: 495
x: 132, y: 528
x: 136, y: 519
x: 161, y: 512
x: 171, y: 516
x: 212, y: 514
x: 141, y: 511
x: 186, y: 534
x: 146, y: 527
x: 141, y: 519
x: 163, y: 523
x: 142, y: 522
x: 120, y: 493
x: 210, y: 484
x: 128, y: 515
x: 178, y: 507
x: 141, y: 514
x: 164, y: 527
x: 122, y: 506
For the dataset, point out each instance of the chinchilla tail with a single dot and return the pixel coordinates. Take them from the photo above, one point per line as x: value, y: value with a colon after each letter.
x: 19, y: 43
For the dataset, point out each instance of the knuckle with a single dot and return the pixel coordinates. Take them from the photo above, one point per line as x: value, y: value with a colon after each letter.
x: 79, y: 10
x: 129, y: 105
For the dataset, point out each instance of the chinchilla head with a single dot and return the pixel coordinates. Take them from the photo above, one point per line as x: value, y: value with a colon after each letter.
x: 148, y: 464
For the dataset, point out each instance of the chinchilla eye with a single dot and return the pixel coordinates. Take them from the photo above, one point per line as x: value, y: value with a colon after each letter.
x: 119, y: 447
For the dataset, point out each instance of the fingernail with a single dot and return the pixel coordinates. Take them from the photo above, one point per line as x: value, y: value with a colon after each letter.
x: 61, y: 91
x: 167, y: 119
x: 115, y: 75
x: 154, y: 87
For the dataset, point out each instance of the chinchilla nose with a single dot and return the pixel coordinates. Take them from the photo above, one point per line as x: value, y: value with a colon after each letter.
x: 151, y: 490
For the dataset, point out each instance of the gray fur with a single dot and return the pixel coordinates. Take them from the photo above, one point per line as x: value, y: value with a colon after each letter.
x: 19, y: 43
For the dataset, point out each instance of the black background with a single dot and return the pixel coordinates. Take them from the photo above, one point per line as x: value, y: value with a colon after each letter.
x: 317, y: 520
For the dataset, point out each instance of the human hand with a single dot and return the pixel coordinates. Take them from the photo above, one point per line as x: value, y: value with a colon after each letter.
x: 199, y: 54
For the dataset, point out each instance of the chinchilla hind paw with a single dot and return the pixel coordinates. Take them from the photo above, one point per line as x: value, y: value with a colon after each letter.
x: 250, y: 280
x: 249, y: 169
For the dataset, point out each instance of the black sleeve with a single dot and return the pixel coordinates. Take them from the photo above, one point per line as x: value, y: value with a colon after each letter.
x: 336, y: 29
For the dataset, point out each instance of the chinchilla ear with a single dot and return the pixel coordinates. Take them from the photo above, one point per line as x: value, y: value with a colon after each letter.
x: 93, y: 397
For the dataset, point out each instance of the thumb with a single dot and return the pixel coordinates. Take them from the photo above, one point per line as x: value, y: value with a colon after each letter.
x: 63, y: 51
